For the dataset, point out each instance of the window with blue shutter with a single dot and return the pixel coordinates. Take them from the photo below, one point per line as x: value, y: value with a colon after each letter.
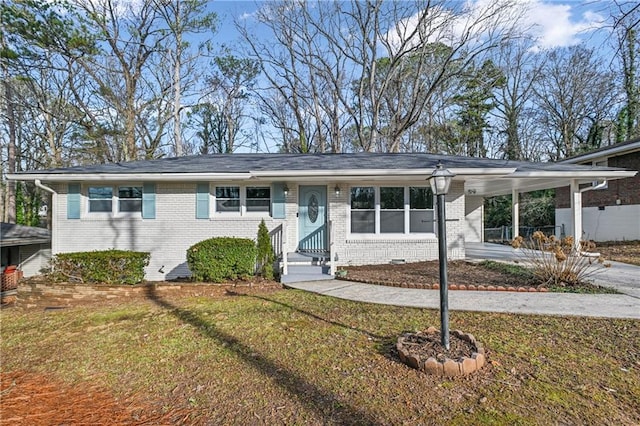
x: 202, y: 201
x: 278, y: 201
x: 73, y: 201
x: 149, y: 200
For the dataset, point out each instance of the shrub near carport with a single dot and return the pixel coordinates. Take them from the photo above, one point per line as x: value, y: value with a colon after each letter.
x: 221, y: 259
x: 105, y: 267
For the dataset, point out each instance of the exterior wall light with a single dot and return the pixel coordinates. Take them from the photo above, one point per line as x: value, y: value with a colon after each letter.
x: 337, y: 190
x: 440, y: 182
x: 286, y: 190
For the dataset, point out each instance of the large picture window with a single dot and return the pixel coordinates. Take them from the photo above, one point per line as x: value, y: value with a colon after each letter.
x: 100, y: 199
x: 391, y: 210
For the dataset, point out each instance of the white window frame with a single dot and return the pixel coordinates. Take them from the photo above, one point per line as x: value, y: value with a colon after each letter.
x: 407, y: 234
x: 257, y: 213
x: 243, y: 201
x: 115, y: 201
x: 117, y: 207
x: 88, y: 198
x: 215, y: 200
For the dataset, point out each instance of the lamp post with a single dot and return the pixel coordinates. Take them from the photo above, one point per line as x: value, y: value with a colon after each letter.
x: 440, y: 181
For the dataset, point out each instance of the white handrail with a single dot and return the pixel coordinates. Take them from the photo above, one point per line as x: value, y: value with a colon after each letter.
x: 331, y: 254
x: 285, y: 252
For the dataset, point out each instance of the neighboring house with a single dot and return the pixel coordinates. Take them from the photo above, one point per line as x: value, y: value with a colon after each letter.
x: 26, y: 247
x: 354, y: 209
x: 611, y: 213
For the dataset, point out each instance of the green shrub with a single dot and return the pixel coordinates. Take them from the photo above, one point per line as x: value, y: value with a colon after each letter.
x: 221, y: 259
x: 265, y: 252
x: 107, y: 267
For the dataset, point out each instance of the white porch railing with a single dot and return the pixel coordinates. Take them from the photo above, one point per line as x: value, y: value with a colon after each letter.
x: 279, y: 244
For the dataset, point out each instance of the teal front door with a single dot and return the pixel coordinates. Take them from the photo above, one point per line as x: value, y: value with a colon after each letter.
x: 312, y: 219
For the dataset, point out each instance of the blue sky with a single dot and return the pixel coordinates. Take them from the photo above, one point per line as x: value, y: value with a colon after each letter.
x: 557, y: 23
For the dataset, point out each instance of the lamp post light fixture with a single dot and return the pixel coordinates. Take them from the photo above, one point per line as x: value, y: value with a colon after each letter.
x: 440, y: 181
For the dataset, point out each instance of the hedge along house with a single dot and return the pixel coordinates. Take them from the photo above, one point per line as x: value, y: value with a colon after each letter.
x: 354, y: 209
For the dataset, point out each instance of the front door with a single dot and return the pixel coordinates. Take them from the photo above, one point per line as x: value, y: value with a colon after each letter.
x: 312, y: 219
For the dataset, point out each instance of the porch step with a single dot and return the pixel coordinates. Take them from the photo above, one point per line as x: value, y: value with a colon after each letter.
x: 300, y: 273
x: 307, y: 258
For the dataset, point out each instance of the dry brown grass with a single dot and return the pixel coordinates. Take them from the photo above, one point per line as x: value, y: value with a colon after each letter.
x: 289, y: 357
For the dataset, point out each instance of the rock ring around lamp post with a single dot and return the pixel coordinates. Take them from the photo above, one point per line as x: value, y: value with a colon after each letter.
x: 449, y: 367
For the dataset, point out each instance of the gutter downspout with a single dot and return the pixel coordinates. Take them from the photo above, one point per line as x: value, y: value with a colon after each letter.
x: 576, y: 210
x: 599, y: 185
x: 54, y: 200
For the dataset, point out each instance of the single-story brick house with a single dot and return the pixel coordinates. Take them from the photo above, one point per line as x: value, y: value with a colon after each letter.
x: 354, y: 209
x: 612, y: 212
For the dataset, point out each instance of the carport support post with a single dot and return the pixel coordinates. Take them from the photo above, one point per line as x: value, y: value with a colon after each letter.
x: 515, y: 213
x: 576, y: 213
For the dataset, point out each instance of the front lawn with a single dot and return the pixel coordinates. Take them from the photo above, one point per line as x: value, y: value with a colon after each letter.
x: 289, y: 357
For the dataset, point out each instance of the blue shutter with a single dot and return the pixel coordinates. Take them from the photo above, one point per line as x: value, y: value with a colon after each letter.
x: 149, y: 200
x: 202, y: 201
x: 73, y: 201
x: 278, y: 201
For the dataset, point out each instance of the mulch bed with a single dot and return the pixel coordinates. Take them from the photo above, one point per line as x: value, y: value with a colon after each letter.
x: 429, y: 345
x: 426, y: 275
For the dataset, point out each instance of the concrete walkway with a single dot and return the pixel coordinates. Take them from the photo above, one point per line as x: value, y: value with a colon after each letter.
x: 625, y: 278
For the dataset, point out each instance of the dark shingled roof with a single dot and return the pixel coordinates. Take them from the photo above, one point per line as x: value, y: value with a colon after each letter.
x: 603, y: 149
x: 17, y: 235
x: 244, y: 163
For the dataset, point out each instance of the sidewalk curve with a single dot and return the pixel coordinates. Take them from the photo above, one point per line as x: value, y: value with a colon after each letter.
x: 565, y: 304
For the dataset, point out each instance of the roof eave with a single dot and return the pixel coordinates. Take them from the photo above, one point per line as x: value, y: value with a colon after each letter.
x: 618, y: 150
x: 270, y: 174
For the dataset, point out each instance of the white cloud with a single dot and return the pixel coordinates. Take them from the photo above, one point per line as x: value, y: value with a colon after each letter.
x: 553, y: 24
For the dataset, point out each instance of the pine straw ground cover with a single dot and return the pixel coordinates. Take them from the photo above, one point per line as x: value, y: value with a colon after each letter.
x: 620, y: 251
x: 477, y: 276
x: 289, y: 357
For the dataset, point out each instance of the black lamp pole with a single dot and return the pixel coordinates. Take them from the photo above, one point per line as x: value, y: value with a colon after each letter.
x: 444, y: 286
x: 440, y: 181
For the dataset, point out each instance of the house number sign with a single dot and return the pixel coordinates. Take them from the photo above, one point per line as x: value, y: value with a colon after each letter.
x: 313, y: 208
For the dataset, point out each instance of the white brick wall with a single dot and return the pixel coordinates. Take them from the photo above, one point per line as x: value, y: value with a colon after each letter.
x: 175, y: 229
x: 474, y: 208
x: 356, y: 250
x: 167, y: 237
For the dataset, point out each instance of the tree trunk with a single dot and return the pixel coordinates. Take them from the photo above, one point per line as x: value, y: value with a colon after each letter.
x: 177, y: 133
x: 10, y: 204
